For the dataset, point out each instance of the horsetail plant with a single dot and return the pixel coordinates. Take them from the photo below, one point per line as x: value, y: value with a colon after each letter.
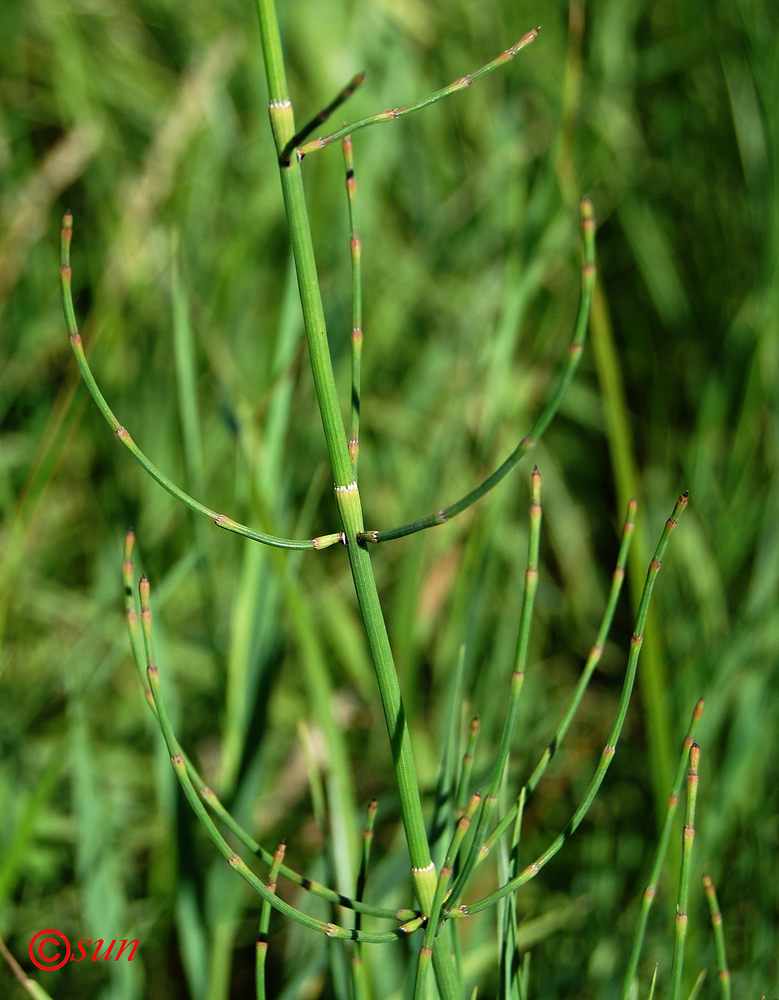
x: 650, y: 892
x: 439, y: 898
x: 262, y: 936
x: 688, y: 837
x: 723, y: 972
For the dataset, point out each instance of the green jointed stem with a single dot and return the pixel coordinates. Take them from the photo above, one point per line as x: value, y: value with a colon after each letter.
x: 320, y: 118
x: 221, y: 520
x: 518, y: 676
x: 262, y: 937
x: 467, y: 767
x: 433, y: 925
x: 179, y: 766
x: 593, y: 659
x: 356, y: 252
x: 531, y: 440
x: 359, y: 979
x: 688, y: 836
x: 650, y: 892
x: 211, y: 799
x: 346, y: 491
x: 407, y: 109
x: 132, y: 618
x: 608, y: 752
x: 719, y: 937
x: 510, y: 922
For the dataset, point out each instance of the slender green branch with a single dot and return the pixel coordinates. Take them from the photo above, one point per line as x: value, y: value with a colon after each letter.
x: 262, y: 937
x: 608, y: 752
x: 525, y: 619
x: 220, y: 520
x: 393, y: 113
x: 179, y: 766
x: 650, y: 892
x: 531, y: 440
x: 467, y: 767
x: 688, y: 837
x: 719, y: 937
x: 593, y: 659
x: 210, y: 797
x: 320, y: 118
x: 355, y: 245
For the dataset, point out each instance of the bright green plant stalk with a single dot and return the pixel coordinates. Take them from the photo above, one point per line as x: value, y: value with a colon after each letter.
x: 467, y: 766
x: 593, y: 660
x: 688, y: 837
x: 531, y: 440
x: 650, y: 892
x: 433, y: 925
x: 355, y: 246
x: 179, y: 766
x: 262, y: 937
x: 719, y: 937
x: 220, y: 520
x: 608, y: 752
x: 394, y: 113
x: 517, y: 679
x: 210, y: 797
x: 346, y: 490
x: 359, y: 978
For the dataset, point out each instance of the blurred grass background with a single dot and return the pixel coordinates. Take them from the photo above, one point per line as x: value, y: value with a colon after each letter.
x: 148, y: 119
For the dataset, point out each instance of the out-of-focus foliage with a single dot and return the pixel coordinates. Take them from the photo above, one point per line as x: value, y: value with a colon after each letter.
x: 148, y: 119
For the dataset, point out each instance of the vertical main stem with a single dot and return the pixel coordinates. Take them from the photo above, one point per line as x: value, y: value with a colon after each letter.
x: 346, y: 491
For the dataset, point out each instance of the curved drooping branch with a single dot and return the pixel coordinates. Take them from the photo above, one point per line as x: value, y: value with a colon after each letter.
x: 530, y: 440
x: 220, y: 520
x: 211, y: 799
